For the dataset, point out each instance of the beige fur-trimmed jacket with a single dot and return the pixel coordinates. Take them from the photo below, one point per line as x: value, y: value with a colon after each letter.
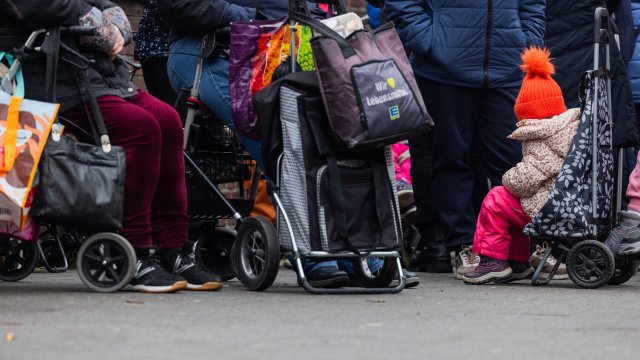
x: 545, y: 144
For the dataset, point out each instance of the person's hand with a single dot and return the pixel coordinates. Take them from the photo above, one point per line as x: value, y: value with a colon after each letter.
x: 107, y: 39
x: 118, y: 44
x: 117, y: 17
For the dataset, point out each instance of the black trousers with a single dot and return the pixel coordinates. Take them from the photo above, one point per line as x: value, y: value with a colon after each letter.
x: 154, y: 72
x: 467, y: 151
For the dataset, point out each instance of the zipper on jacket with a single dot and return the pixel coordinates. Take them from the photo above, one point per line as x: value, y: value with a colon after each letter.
x: 487, y: 44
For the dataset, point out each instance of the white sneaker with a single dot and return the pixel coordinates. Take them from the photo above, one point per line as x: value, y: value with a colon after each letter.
x: 466, y: 262
x: 536, y: 258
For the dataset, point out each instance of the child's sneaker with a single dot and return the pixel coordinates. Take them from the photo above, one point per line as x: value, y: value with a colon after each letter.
x: 536, y: 258
x: 624, y: 239
x: 151, y: 277
x: 466, y: 261
x: 521, y: 270
x: 488, y: 270
x: 182, y: 262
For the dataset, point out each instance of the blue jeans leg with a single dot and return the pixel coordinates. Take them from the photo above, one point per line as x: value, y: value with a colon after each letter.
x: 214, y: 86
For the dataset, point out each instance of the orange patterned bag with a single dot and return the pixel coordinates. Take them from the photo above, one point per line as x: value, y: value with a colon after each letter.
x: 24, y: 128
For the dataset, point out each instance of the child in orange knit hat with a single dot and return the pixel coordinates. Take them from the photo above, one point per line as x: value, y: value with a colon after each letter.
x: 546, y: 129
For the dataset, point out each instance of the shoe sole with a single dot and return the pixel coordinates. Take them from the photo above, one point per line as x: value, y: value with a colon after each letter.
x: 210, y: 286
x: 630, y: 252
x: 487, y: 278
x: 332, y: 283
x: 516, y: 277
x: 179, y: 285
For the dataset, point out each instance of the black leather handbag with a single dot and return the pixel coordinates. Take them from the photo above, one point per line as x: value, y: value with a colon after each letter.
x: 81, y: 185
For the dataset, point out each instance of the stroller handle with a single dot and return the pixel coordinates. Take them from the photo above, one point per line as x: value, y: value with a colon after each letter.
x: 601, y: 25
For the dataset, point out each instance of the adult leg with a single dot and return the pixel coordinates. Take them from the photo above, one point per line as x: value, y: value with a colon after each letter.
x: 453, y: 109
x: 138, y: 132
x: 154, y: 72
x: 169, y: 208
x: 214, y: 89
x: 497, y: 121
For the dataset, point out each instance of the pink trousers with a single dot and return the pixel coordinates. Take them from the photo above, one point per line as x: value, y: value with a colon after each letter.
x: 499, y: 229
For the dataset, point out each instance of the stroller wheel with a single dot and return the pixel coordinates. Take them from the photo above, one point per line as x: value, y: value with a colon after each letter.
x: 624, y: 271
x: 106, y: 262
x: 256, y: 254
x: 378, y: 279
x: 590, y: 264
x: 213, y: 251
x: 18, y: 258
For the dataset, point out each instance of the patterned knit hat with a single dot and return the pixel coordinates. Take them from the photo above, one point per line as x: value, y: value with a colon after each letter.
x: 540, y: 96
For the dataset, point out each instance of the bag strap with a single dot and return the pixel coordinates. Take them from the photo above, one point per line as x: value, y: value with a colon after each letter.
x: 337, y: 201
x: 11, y: 134
x: 51, y: 47
x: 317, y: 25
x: 98, y: 128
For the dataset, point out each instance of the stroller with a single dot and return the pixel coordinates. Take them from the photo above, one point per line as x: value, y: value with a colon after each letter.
x: 105, y: 261
x: 300, y: 168
x: 578, y: 213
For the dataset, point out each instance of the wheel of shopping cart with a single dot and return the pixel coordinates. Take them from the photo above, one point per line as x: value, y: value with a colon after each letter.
x: 213, y: 250
x: 590, y: 264
x: 377, y: 279
x: 624, y: 271
x: 106, y: 262
x: 18, y: 258
x: 256, y: 254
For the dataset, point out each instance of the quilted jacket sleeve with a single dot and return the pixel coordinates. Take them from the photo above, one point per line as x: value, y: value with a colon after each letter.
x: 532, y: 19
x: 43, y: 13
x: 413, y: 23
x: 202, y: 16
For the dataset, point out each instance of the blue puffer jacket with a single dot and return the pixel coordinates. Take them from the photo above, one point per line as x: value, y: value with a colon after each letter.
x: 469, y: 43
x: 633, y: 69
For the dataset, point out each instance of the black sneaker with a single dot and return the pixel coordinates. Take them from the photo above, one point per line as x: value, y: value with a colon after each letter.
x: 182, y: 262
x: 151, y: 277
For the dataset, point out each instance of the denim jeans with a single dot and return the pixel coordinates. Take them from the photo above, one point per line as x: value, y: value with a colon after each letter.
x: 214, y: 85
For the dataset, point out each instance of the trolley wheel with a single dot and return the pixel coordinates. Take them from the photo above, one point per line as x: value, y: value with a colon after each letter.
x: 624, y: 271
x: 590, y: 264
x: 256, y: 254
x: 377, y: 279
x: 213, y: 252
x: 18, y: 258
x: 106, y: 262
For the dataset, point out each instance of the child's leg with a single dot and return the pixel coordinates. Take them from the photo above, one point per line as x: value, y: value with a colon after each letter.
x: 493, y: 231
x: 492, y: 239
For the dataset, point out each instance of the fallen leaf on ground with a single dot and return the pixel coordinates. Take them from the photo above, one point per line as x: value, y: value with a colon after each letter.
x: 134, y: 302
x: 9, y: 337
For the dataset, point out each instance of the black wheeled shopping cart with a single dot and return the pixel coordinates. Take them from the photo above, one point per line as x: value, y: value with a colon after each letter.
x: 579, y: 212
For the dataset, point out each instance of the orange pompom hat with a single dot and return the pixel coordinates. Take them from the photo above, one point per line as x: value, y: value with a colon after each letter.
x: 540, y: 96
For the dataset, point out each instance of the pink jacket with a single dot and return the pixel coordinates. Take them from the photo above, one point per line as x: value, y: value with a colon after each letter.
x: 545, y: 144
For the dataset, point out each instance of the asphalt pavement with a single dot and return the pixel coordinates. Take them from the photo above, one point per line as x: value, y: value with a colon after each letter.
x: 54, y: 316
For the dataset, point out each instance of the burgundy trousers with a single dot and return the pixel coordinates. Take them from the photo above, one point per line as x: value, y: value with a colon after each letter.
x: 155, y: 197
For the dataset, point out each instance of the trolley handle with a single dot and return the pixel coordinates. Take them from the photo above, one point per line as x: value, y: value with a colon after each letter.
x: 601, y: 25
x: 78, y: 30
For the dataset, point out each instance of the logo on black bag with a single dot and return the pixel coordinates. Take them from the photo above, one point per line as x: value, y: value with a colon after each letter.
x: 387, y: 87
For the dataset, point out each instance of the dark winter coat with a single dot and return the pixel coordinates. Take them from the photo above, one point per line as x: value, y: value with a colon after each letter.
x: 569, y: 36
x: 199, y: 17
x: 634, y: 64
x: 468, y: 42
x: 18, y: 18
